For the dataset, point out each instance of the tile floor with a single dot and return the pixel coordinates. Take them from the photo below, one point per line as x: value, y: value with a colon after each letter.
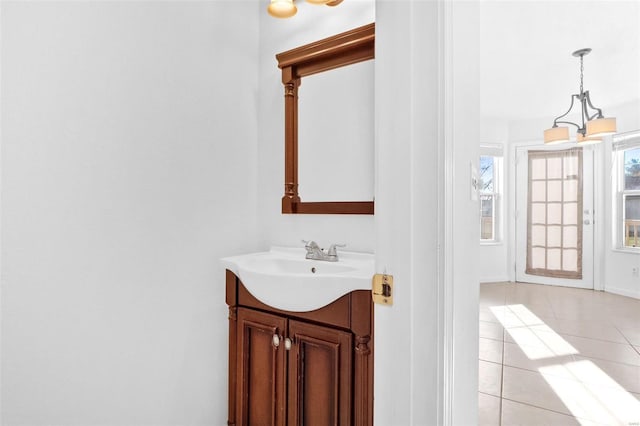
x: 558, y: 356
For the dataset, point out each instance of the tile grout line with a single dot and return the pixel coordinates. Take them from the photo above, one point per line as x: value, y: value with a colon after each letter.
x: 627, y: 339
x: 547, y: 409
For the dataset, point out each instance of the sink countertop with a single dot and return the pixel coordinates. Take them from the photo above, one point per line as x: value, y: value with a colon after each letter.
x: 284, y: 279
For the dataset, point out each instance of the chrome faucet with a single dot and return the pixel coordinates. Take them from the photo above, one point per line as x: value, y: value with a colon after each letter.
x: 314, y: 252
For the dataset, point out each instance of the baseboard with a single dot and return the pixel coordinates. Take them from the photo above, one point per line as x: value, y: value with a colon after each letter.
x: 623, y: 292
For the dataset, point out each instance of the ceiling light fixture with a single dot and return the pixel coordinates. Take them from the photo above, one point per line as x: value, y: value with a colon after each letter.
x: 596, y: 124
x: 287, y: 8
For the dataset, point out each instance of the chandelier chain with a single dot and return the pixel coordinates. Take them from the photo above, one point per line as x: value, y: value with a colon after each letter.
x: 581, y: 73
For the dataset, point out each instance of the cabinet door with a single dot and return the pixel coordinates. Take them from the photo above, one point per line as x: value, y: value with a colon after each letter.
x: 320, y: 369
x: 261, y: 369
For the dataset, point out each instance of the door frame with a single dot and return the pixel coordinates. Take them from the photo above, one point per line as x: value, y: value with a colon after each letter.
x: 598, y: 216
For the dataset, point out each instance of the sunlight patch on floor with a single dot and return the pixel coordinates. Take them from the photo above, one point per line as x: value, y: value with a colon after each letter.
x: 591, y: 393
x: 536, y: 339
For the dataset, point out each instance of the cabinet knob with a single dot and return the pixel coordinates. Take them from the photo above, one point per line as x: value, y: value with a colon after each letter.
x: 287, y: 344
x: 275, y: 341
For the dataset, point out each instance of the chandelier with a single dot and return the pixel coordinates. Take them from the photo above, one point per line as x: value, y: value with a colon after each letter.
x: 593, y: 124
x: 287, y: 8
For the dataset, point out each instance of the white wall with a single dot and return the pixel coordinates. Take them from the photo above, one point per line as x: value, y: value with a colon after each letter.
x: 426, y: 140
x: 310, y: 24
x: 128, y: 157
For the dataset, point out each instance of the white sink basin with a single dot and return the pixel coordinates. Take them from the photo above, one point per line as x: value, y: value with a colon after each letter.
x: 284, y: 279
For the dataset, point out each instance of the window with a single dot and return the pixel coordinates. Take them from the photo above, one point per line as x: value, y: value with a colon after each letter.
x: 489, y: 193
x: 627, y: 152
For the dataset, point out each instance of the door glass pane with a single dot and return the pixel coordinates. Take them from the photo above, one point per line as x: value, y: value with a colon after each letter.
x: 538, y: 191
x: 554, y: 168
x: 554, y: 236
x: 538, y: 168
x: 554, y: 190
x: 570, y: 190
x: 538, y: 235
x: 570, y: 260
x: 554, y: 259
x: 570, y: 213
x: 570, y: 236
x: 538, y: 255
x: 538, y: 213
x: 554, y: 213
x: 572, y: 167
x: 554, y: 224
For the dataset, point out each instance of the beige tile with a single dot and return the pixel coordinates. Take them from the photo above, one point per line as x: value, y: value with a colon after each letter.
x: 530, y: 388
x: 620, y: 318
x: 566, y: 353
x: 487, y: 315
x: 612, y: 373
x: 588, y: 329
x: 604, y: 350
x: 491, y: 330
x: 631, y: 333
x: 490, y: 350
x: 488, y: 410
x: 591, y: 400
x: 492, y: 300
x: 540, y: 342
x: 517, y: 414
x: 490, y: 378
x: 515, y: 315
x: 530, y: 358
x: 544, y: 312
x: 590, y: 312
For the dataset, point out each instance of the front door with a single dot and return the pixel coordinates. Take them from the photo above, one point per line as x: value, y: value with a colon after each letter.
x: 554, y: 216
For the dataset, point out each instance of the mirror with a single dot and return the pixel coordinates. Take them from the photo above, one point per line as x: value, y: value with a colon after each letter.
x: 334, y: 106
x: 335, y: 134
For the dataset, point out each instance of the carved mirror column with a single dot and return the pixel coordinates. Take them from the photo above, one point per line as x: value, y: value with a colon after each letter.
x: 340, y: 50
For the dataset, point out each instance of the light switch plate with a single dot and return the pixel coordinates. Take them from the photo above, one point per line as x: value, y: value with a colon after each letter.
x: 382, y: 289
x: 475, y: 182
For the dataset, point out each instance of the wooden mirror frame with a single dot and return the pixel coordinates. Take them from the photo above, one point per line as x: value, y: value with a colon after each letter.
x: 343, y: 49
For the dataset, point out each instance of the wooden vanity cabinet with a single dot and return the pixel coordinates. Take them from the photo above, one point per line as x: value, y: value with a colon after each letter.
x: 299, y: 368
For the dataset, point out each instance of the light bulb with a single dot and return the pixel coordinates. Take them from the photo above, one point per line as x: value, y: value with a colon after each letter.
x: 282, y: 8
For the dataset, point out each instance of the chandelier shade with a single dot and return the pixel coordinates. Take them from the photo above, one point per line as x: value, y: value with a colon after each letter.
x: 287, y: 8
x: 282, y: 8
x: 556, y: 135
x: 587, y: 140
x: 593, y: 124
x: 601, y: 127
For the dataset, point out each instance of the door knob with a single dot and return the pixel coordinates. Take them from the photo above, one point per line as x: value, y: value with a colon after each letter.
x: 587, y: 222
x: 275, y: 340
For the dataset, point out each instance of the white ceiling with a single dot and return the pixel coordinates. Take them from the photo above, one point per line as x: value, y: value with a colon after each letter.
x: 526, y: 66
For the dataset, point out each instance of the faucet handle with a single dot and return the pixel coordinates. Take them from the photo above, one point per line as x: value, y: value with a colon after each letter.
x: 310, y: 244
x: 332, y: 249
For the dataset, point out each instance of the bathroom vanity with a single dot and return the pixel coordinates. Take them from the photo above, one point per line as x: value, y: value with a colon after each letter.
x: 298, y: 367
